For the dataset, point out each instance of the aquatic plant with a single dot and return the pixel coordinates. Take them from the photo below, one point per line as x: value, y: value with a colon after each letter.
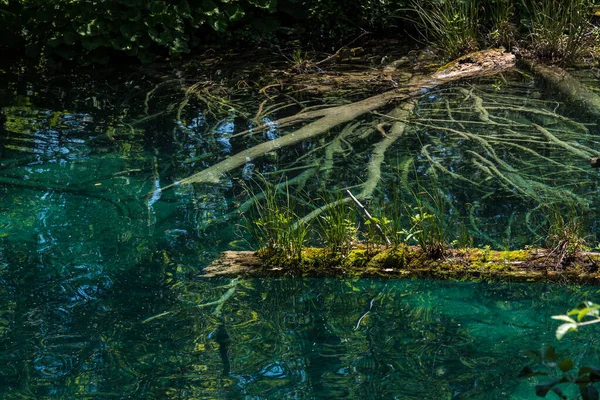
x: 338, y: 227
x: 565, y: 233
x: 498, y: 16
x: 558, y: 28
x: 428, y: 227
x: 427, y: 231
x: 449, y: 26
x: 273, y: 223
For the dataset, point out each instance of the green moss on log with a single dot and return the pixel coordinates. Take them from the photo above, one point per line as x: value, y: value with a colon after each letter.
x: 410, y: 262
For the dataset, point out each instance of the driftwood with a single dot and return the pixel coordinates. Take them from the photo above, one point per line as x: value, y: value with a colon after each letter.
x: 570, y: 88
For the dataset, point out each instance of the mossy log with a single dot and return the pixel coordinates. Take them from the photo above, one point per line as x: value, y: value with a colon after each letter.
x: 570, y: 88
x: 404, y: 262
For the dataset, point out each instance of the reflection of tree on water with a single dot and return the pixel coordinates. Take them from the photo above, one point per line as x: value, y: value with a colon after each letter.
x: 81, y: 330
x: 317, y: 345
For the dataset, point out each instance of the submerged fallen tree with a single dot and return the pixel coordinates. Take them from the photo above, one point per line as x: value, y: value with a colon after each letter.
x: 534, y: 265
x: 488, y: 135
x: 474, y: 65
x: 572, y: 90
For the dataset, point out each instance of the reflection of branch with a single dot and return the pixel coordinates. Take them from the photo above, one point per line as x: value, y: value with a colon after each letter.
x: 164, y: 314
x: 365, y: 314
x: 219, y: 303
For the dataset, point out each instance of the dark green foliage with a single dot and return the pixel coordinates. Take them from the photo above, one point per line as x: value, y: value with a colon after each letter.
x: 90, y: 31
x: 342, y: 19
x: 560, y: 371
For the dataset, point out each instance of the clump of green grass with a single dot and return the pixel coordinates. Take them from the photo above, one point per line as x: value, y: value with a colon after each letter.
x: 565, y: 237
x: 558, y: 29
x: 338, y: 228
x: 428, y: 229
x: 449, y: 26
x: 499, y: 23
x: 274, y: 224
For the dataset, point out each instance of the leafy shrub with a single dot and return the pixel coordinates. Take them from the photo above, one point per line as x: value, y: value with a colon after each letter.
x: 90, y: 31
x: 558, y: 28
x: 339, y: 19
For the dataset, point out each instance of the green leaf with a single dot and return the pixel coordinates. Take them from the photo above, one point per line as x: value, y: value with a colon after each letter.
x: 566, y: 364
x: 587, y: 312
x: 559, y: 392
x: 562, y: 330
x: 91, y: 42
x: 219, y: 25
x: 593, y: 373
x: 589, y: 393
x: 535, y: 354
x: 128, y: 30
x: 527, y: 372
x: 235, y: 12
x: 179, y: 46
x: 564, y: 318
x: 542, y: 389
x: 551, y: 355
x: 586, y: 304
x: 183, y: 8
x: 70, y: 38
x: 209, y: 8
x: 86, y: 29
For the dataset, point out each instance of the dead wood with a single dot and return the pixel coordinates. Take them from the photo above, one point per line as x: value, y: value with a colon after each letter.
x: 480, y: 64
x: 537, y: 265
x: 570, y: 88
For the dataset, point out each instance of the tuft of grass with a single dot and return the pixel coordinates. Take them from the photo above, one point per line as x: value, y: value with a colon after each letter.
x: 427, y: 222
x: 449, y: 26
x: 338, y: 229
x: 428, y: 230
x: 558, y: 29
x: 498, y: 18
x: 565, y: 233
x: 274, y: 224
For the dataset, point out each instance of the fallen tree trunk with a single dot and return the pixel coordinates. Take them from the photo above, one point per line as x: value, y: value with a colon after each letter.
x: 405, y: 262
x: 570, y: 88
x: 474, y: 65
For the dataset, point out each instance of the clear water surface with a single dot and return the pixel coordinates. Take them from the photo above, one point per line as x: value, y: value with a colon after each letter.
x: 99, y: 269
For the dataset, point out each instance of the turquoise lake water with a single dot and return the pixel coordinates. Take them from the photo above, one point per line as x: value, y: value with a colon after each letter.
x: 100, y: 271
